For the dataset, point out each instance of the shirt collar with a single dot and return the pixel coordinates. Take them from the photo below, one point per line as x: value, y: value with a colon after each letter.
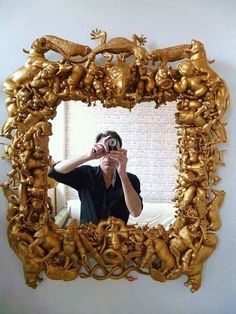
x: 98, y: 173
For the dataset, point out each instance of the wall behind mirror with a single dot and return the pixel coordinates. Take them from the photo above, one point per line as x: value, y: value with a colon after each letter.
x: 148, y: 134
x: 164, y: 23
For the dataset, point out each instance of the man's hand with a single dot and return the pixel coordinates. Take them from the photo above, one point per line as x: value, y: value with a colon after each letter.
x: 120, y: 156
x: 99, y: 149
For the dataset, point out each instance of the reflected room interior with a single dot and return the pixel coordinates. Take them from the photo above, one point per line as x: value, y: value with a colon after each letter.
x: 150, y: 137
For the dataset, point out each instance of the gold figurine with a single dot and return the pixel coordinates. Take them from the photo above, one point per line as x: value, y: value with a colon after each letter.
x: 128, y: 74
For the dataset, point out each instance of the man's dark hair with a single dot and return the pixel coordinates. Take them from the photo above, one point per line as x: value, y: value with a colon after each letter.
x: 111, y: 134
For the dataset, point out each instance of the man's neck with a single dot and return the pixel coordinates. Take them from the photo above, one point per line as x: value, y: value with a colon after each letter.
x: 108, y: 177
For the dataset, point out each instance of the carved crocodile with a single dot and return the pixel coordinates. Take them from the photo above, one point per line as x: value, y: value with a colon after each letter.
x: 116, y: 45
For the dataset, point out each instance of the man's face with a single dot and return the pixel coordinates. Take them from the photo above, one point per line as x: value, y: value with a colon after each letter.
x: 106, y: 163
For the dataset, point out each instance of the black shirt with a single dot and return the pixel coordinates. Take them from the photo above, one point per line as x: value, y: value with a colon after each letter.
x: 97, y: 202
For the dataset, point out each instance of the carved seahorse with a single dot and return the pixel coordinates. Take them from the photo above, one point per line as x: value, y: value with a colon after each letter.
x: 116, y: 45
x: 213, y: 209
x: 13, y: 202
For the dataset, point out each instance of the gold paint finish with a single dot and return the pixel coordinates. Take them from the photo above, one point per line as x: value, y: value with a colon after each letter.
x: 127, y: 74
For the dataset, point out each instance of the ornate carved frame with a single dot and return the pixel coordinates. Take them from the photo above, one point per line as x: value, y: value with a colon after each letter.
x: 128, y: 75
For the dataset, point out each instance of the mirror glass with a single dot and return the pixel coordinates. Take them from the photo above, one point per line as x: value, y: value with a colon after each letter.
x: 148, y: 134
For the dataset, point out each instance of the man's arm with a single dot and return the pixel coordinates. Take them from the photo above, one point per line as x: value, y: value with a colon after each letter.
x: 68, y: 165
x: 132, y: 199
x: 65, y: 166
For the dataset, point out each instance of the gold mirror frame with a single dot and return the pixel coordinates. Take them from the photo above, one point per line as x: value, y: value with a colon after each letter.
x: 112, y: 249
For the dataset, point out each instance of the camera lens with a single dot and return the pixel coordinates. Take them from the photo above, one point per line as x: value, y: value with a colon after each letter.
x: 112, y: 143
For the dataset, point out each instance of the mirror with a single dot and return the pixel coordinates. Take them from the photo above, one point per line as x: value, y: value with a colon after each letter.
x: 148, y: 145
x: 126, y: 76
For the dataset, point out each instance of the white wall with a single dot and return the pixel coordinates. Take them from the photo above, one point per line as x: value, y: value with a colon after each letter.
x: 164, y: 23
x: 148, y: 134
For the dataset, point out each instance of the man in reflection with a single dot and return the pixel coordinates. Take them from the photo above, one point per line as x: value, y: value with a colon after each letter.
x: 105, y: 190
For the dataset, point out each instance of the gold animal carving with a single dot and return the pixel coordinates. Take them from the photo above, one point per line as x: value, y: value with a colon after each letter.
x: 112, y: 249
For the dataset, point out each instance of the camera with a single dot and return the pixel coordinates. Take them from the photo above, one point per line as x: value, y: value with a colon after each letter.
x: 112, y: 143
